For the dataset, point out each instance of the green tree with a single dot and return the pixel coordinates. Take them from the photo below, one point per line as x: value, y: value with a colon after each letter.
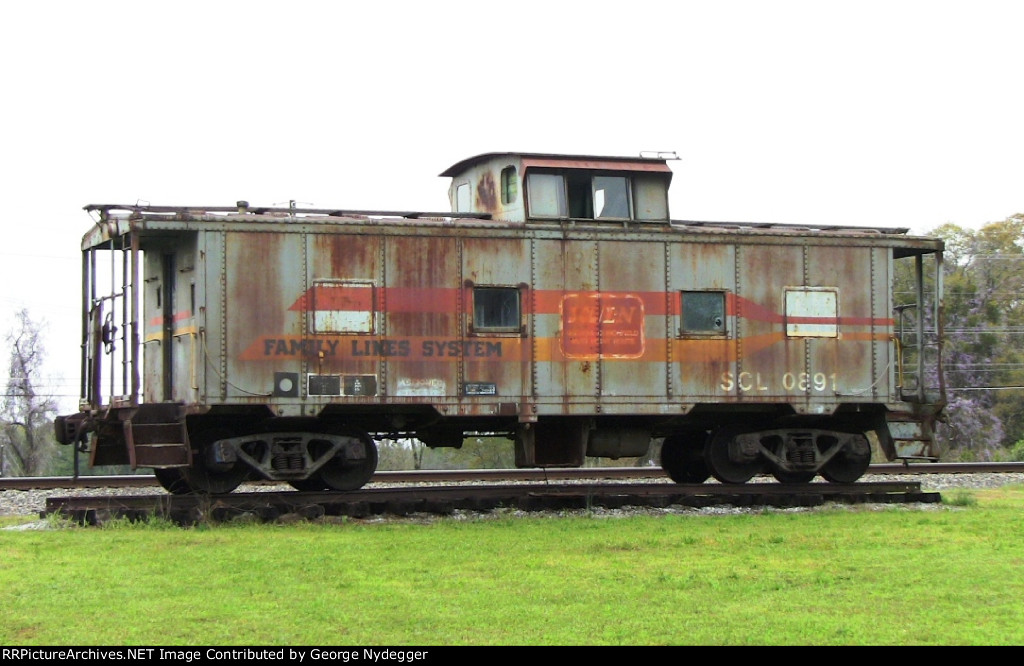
x: 1001, y: 249
x: 984, y: 326
x: 26, y: 415
x: 477, y: 452
x: 396, y: 455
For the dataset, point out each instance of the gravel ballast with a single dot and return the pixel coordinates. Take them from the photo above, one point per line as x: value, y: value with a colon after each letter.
x: 33, y: 502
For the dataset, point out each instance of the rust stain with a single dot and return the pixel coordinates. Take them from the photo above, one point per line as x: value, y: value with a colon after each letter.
x: 487, y: 193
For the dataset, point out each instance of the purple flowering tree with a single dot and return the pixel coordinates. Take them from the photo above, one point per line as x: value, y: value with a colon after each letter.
x: 984, y: 337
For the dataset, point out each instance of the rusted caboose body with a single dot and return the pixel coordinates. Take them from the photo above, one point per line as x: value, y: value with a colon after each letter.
x: 556, y: 304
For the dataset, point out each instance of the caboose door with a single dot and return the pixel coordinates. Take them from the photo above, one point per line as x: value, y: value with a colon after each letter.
x: 566, y: 322
x: 166, y: 296
x: 170, y: 331
x: 919, y: 328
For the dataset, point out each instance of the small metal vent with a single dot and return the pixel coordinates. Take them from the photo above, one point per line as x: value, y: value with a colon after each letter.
x: 286, y: 384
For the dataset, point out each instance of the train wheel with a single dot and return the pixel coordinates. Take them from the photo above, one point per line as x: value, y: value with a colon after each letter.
x: 205, y: 478
x: 682, y: 457
x: 341, y: 473
x: 212, y: 482
x: 172, y: 480
x: 845, y: 468
x: 785, y: 476
x: 723, y: 468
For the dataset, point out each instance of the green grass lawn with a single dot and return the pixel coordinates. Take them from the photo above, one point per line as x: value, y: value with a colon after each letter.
x: 948, y: 575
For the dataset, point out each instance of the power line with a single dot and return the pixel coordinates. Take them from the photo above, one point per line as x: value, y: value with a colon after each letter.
x: 986, y: 388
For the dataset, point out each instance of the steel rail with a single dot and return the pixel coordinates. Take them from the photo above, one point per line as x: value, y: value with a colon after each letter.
x: 532, y: 474
x: 443, y: 500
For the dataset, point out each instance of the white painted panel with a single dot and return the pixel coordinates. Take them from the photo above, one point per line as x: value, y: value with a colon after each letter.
x: 811, y: 313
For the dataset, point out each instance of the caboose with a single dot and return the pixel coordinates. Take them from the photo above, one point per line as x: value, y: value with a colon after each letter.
x: 557, y: 304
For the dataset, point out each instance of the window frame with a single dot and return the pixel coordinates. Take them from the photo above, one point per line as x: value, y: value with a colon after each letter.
x: 509, y: 176
x: 720, y: 332
x: 467, y: 189
x: 567, y: 198
x: 649, y: 195
x: 808, y: 303
x: 315, y: 325
x: 628, y: 182
x: 560, y: 202
x: 475, y: 328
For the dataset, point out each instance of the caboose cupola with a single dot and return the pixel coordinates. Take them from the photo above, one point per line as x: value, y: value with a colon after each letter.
x: 537, y: 187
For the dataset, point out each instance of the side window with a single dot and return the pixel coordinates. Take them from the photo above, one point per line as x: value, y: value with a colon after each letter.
x: 463, y: 198
x: 496, y: 310
x: 509, y: 185
x: 611, y: 197
x: 546, y: 193
x: 650, y: 197
x: 581, y: 195
x: 703, y: 312
x: 342, y: 307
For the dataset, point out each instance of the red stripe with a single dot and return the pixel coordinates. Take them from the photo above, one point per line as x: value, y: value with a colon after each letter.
x: 176, y: 317
x: 548, y: 301
x: 343, y: 298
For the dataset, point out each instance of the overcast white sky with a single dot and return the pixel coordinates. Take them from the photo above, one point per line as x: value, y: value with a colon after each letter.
x: 897, y: 113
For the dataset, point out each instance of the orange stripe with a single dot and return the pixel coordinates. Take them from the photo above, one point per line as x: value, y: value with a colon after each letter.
x: 510, y: 349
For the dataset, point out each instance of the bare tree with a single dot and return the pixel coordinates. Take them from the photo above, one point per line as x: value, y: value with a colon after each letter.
x: 27, y: 442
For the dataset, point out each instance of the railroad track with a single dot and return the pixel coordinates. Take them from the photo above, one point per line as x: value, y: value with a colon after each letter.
x: 445, y: 500
x: 492, y: 475
x: 445, y: 491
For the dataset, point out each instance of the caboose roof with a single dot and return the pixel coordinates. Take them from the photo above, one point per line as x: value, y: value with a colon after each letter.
x: 657, y: 164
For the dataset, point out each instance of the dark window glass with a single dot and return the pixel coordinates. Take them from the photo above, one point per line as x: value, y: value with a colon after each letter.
x: 581, y: 199
x: 496, y: 309
x: 703, y: 312
x: 611, y: 197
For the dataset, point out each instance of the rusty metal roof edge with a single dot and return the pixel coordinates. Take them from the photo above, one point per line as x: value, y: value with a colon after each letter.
x: 891, y: 236
x: 277, y: 212
x: 104, y: 231
x: 789, y: 226
x: 462, y: 165
x: 115, y: 225
x: 320, y: 224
